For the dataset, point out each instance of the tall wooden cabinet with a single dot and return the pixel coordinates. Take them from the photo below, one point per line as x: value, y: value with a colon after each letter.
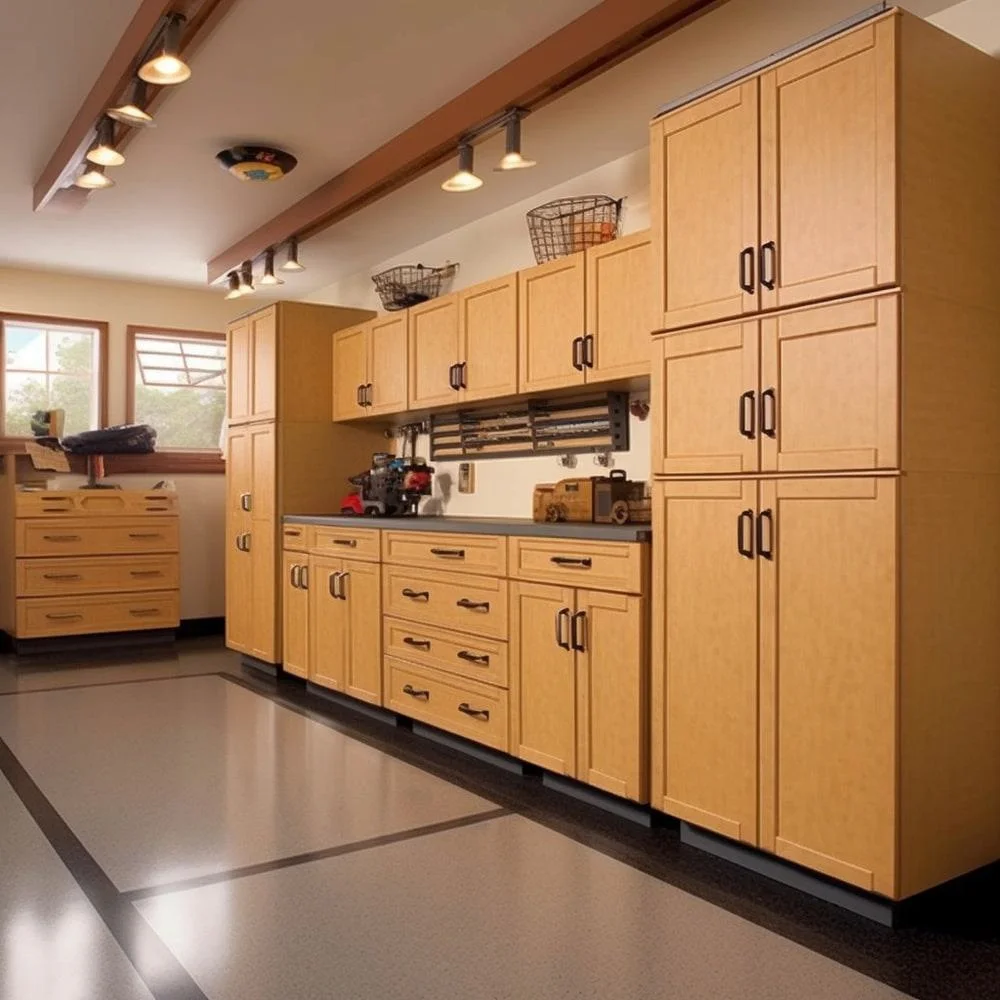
x: 370, y: 368
x: 826, y: 433
x: 283, y: 455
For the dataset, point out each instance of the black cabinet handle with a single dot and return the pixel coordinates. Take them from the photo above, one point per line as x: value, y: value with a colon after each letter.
x: 766, y: 551
x: 476, y: 713
x: 746, y: 270
x: 419, y: 693
x: 418, y: 643
x: 304, y: 577
x: 360, y: 396
x: 294, y: 574
x: 453, y: 377
x: 473, y: 605
x: 64, y: 538
x: 562, y: 615
x: 578, y: 632
x: 747, y: 414
x: 416, y: 595
x: 585, y: 562
x: 64, y: 618
x: 464, y: 654
x: 578, y: 353
x: 462, y: 370
x: 139, y: 535
x: 449, y: 553
x: 144, y: 572
x: 588, y: 350
x: 369, y: 394
x: 768, y: 413
x: 768, y: 256
x: 65, y: 576
x: 351, y: 543
x: 336, y: 590
x: 744, y: 530
x: 144, y: 612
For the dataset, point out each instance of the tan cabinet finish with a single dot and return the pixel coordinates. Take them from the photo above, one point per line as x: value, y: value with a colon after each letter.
x: 328, y: 625
x: 295, y: 605
x: 347, y: 542
x: 99, y: 503
x: 387, y: 364
x: 434, y: 351
x: 96, y: 575
x: 460, y: 553
x: 239, y: 371
x: 350, y: 371
x: 38, y: 617
x: 95, y: 536
x: 360, y: 593
x: 264, y: 367
x: 580, y: 563
x: 473, y: 657
x: 487, y: 332
x: 296, y: 537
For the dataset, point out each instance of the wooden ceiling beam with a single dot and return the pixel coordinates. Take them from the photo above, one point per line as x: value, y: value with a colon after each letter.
x: 598, y: 39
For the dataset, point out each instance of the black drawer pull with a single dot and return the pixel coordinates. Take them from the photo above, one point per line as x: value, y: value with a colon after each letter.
x: 413, y: 692
x: 144, y: 572
x: 578, y: 353
x: 483, y: 659
x: 55, y: 510
x: 562, y: 616
x: 61, y: 538
x: 578, y: 632
x: 61, y: 576
x: 473, y: 605
x: 64, y: 618
x: 768, y: 253
x: 416, y: 595
x: 745, y: 547
x: 766, y: 551
x: 746, y: 270
x: 449, y: 553
x: 476, y: 713
x: 418, y: 643
x: 768, y: 412
x: 292, y: 532
x: 143, y: 612
x: 584, y: 562
x: 156, y: 510
x: 747, y: 414
x: 144, y: 534
x: 349, y: 542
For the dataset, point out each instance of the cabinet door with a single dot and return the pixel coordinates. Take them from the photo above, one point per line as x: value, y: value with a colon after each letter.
x: 611, y: 719
x: 265, y: 598
x: 830, y: 376
x: 238, y: 371
x: 239, y: 584
x: 264, y: 369
x: 295, y: 614
x: 487, y: 318
x: 704, y: 692
x: 361, y: 589
x: 619, y: 308
x: 550, y: 320
x: 329, y: 626
x: 829, y: 678
x: 263, y: 486
x: 828, y: 169
x: 387, y: 364
x: 704, y: 382
x: 350, y: 371
x: 433, y: 352
x: 239, y: 468
x: 704, y: 199
x: 543, y: 676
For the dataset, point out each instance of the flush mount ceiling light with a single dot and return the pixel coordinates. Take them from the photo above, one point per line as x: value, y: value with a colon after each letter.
x: 269, y: 277
x: 233, y: 283
x: 93, y: 179
x: 103, y: 151
x: 246, y: 278
x: 256, y: 163
x: 132, y: 112
x: 292, y: 264
x: 164, y: 66
x: 512, y: 158
x: 463, y: 179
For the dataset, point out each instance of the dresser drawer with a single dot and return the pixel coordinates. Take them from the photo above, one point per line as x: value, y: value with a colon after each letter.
x: 478, y: 659
x: 95, y: 575
x: 44, y: 616
x: 352, y: 543
x: 296, y: 537
x: 618, y: 566
x: 484, y: 554
x: 475, y: 711
x: 476, y: 604
x: 94, y: 503
x: 85, y: 537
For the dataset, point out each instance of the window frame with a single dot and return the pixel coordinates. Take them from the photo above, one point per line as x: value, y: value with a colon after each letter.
x: 209, y: 460
x: 14, y: 441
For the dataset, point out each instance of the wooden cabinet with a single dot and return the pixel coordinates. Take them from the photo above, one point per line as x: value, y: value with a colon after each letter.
x: 370, y: 368
x: 328, y: 624
x: 350, y: 371
x: 295, y: 605
x: 434, y: 352
x: 239, y: 371
x: 264, y: 365
x: 487, y: 335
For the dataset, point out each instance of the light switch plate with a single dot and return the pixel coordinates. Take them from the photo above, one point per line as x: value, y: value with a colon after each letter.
x: 466, y: 477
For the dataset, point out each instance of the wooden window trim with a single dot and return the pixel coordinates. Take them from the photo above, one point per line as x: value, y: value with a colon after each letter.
x: 194, y: 462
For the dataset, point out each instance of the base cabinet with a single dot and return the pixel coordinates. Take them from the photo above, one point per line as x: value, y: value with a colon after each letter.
x: 295, y: 611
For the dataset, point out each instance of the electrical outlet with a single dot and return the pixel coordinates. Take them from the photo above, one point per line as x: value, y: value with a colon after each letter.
x: 466, y: 477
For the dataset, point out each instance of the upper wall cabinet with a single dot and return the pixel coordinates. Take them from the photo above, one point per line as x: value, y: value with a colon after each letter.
x: 434, y: 352
x: 252, y: 344
x: 350, y: 371
x: 487, y: 332
x: 370, y: 368
x: 812, y: 143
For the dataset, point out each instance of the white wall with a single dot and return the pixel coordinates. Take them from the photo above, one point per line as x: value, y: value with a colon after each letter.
x: 488, y: 248
x: 120, y: 303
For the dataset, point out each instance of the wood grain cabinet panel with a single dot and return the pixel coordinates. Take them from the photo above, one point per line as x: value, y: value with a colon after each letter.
x: 264, y: 367
x: 96, y: 536
x: 239, y: 372
x: 473, y: 657
x: 352, y: 543
x: 38, y: 617
x: 388, y: 364
x: 329, y: 627
x: 360, y: 593
x: 576, y: 562
x: 467, y: 603
x: 350, y: 371
x: 434, y: 351
x: 96, y: 575
x: 487, y: 316
x: 458, y: 553
x: 295, y: 611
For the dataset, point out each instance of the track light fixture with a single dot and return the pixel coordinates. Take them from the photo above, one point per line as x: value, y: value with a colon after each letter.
x: 292, y: 263
x: 93, y: 179
x: 246, y: 278
x: 269, y: 277
x: 164, y: 66
x: 512, y: 158
x: 103, y: 151
x: 233, y: 283
x: 133, y: 112
x: 463, y: 179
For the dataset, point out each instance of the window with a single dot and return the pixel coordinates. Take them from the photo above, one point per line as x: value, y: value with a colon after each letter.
x: 178, y: 386
x: 51, y: 364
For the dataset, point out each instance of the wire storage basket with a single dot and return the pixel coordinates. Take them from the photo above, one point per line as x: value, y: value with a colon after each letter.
x: 568, y: 225
x: 411, y: 284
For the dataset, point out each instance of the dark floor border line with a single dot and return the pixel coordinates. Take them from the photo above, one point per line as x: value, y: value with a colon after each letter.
x: 159, y: 969
x: 102, y: 684
x: 294, y: 860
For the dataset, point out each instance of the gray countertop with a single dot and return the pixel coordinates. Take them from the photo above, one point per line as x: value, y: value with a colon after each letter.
x: 485, y: 526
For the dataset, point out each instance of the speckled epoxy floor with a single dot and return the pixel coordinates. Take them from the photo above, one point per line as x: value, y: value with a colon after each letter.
x: 179, y: 829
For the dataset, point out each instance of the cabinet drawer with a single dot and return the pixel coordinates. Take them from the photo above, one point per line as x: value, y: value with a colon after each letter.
x: 476, y: 604
x: 351, y: 543
x: 296, y: 537
x: 619, y: 566
x: 42, y: 616
x: 84, y: 503
x: 475, y: 711
x: 79, y: 537
x: 486, y: 554
x: 97, y: 575
x: 478, y: 659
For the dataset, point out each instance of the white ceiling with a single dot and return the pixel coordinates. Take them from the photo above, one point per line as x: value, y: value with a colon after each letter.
x: 330, y: 82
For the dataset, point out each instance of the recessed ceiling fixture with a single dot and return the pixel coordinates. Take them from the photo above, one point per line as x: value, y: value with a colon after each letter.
x: 233, y: 283
x: 292, y: 263
x: 164, y: 66
x: 256, y: 163
x: 133, y: 112
x: 246, y: 278
x: 269, y: 277
x: 463, y: 179
x: 93, y: 178
x: 512, y: 158
x: 103, y: 151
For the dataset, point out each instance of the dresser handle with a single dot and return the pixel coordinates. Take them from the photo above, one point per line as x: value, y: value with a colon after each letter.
x: 144, y: 572
x: 61, y: 576
x: 144, y: 534
x: 418, y: 643
x: 768, y: 414
x: 747, y: 428
x: 473, y: 605
x: 156, y: 510
x: 584, y: 562
x: 562, y: 615
x: 744, y: 547
x: 464, y: 654
x: 416, y: 595
x: 449, y: 553
x: 746, y: 270
x: 578, y: 632
x: 768, y: 253
x: 143, y: 612
x: 351, y: 543
x: 246, y: 503
x: 765, y: 517
x: 295, y: 576
x: 61, y: 538
x: 476, y: 713
x: 64, y: 618
x: 292, y: 532
x: 54, y: 510
x: 416, y: 692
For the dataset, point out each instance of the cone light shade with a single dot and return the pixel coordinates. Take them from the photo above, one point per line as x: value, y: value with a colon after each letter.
x: 269, y: 277
x: 132, y: 112
x: 103, y: 151
x: 93, y: 179
x: 165, y: 66
x: 512, y: 158
x: 233, y: 283
x: 246, y: 278
x: 292, y: 264
x: 464, y: 179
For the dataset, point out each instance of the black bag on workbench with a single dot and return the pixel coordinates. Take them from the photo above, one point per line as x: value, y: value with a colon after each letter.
x: 126, y: 439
